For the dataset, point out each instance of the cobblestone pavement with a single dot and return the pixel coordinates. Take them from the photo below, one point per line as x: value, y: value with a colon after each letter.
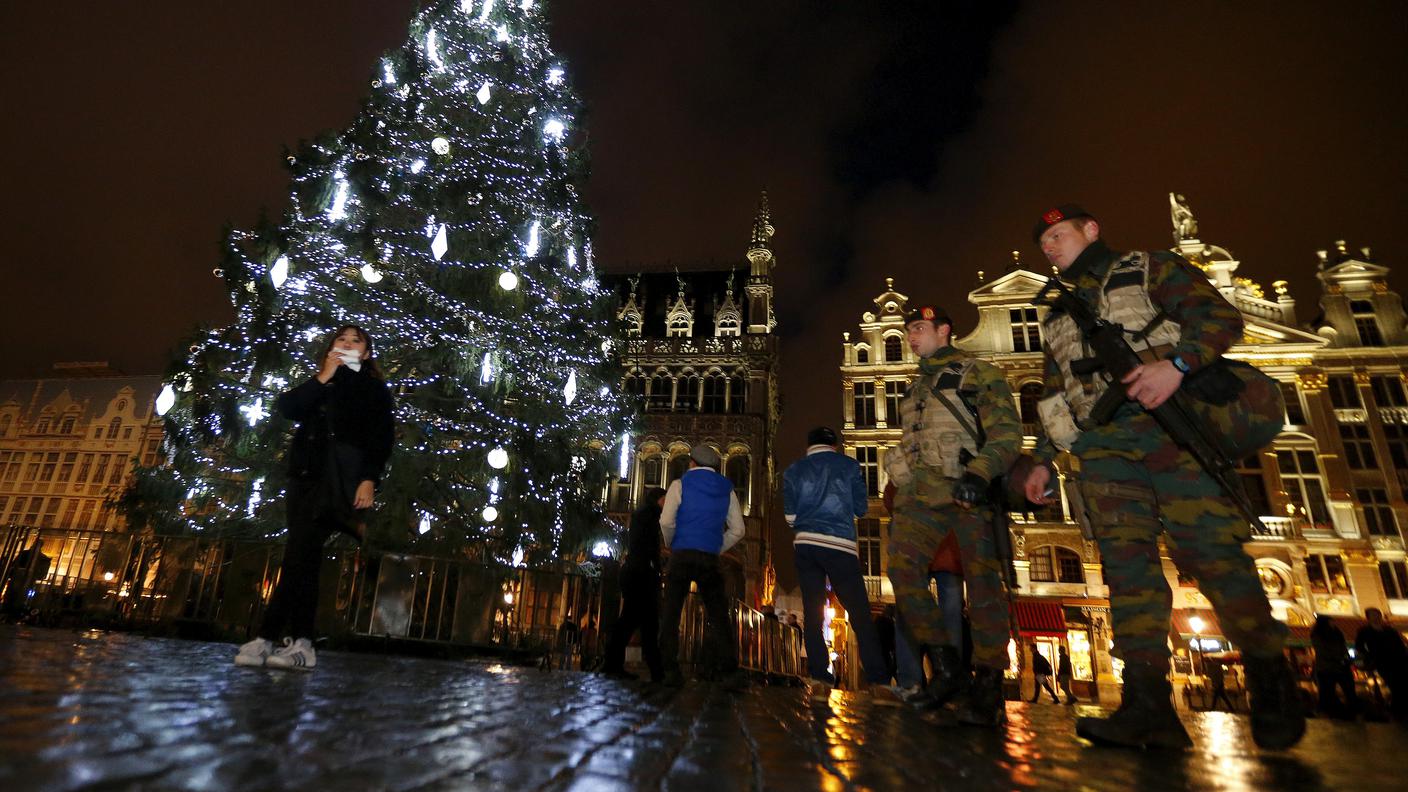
x: 90, y: 710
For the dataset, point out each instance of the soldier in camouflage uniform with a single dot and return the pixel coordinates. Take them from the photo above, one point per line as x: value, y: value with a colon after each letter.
x: 1138, y: 484
x: 961, y: 430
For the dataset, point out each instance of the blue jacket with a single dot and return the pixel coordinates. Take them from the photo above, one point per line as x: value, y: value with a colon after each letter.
x: 822, y: 495
x: 701, y: 512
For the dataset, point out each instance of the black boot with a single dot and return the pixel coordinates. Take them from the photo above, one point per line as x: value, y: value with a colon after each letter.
x: 950, y: 678
x: 1146, y: 717
x: 1278, y: 719
x: 983, y: 703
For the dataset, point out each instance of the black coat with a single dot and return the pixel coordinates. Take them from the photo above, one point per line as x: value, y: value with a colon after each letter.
x: 1040, y: 665
x: 349, y: 419
x: 643, y: 541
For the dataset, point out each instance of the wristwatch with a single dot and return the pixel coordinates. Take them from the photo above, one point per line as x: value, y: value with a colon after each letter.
x: 1179, y: 364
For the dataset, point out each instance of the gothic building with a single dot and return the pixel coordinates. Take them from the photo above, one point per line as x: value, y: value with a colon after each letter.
x: 1331, y: 488
x: 701, y: 362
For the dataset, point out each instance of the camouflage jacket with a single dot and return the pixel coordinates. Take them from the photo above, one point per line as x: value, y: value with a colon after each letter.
x: 1210, y: 324
x: 986, y: 389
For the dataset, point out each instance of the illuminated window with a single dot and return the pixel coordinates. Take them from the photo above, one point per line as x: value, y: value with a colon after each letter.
x: 1300, y: 475
x: 1326, y: 574
x: 1050, y: 564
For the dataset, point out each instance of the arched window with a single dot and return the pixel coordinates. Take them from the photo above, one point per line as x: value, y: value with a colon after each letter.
x: 1028, y: 396
x: 738, y: 394
x: 1050, y: 564
x: 661, y: 392
x: 894, y: 349
x: 687, y: 397
x: 715, y: 393
x: 679, y: 463
x: 652, y: 472
x: 634, y: 387
x: 862, y: 355
x: 737, y: 468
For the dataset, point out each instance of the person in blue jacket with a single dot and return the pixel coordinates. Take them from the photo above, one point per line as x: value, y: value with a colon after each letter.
x: 823, y: 494
x: 700, y: 520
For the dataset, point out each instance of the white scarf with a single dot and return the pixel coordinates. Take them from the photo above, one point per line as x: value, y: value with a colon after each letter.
x: 350, y: 359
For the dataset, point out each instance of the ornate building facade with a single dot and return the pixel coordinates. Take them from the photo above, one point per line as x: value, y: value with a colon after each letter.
x: 67, y: 443
x: 701, y: 361
x: 1331, y: 488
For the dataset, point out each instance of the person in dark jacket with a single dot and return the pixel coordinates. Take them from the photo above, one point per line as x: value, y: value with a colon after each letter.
x: 640, y: 591
x: 823, y: 493
x: 1333, y: 669
x: 1064, y: 674
x: 1041, y: 673
x: 700, y: 520
x: 339, y: 451
x: 1381, y: 648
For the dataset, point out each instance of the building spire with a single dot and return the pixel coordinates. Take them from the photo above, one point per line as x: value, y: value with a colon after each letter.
x: 762, y: 225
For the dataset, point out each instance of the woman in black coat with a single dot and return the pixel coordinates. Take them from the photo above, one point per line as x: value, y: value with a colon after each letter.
x: 336, y: 460
x: 640, y: 591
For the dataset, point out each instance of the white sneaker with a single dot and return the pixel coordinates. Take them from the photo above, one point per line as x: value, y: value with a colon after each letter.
x: 254, y: 653
x: 297, y: 655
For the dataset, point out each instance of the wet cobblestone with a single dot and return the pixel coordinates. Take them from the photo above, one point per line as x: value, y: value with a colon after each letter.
x: 114, y: 711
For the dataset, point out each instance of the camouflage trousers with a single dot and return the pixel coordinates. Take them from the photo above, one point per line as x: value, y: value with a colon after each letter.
x: 916, y: 531
x: 1137, y: 484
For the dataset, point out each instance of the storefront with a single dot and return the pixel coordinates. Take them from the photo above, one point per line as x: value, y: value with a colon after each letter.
x: 1078, y: 625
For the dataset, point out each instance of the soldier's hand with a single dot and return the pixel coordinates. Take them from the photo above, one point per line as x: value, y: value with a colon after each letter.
x: 970, y: 491
x: 1153, y: 383
x: 1038, y: 481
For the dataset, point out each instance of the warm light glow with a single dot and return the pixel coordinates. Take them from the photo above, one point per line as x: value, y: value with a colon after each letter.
x: 601, y: 550
x: 1196, y: 622
x: 508, y: 597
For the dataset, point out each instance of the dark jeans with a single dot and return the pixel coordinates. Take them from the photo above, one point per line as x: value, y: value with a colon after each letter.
x: 816, y: 565
x: 640, y: 610
x: 1043, y: 681
x: 702, y: 569
x: 294, y: 605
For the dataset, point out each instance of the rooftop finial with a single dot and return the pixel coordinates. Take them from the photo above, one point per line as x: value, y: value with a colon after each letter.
x: 762, y: 224
x: 1185, y: 226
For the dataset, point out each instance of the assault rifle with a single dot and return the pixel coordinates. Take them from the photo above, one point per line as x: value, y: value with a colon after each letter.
x: 1117, y: 358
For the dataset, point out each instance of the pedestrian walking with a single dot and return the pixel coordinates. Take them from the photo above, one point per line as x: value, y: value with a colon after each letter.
x: 960, y: 431
x: 1217, y: 676
x: 640, y: 591
x: 335, y: 462
x: 569, y: 636
x: 701, y: 519
x: 823, y: 493
x: 1064, y: 674
x: 1138, y: 483
x: 1380, y: 646
x: 1041, y: 674
x: 1333, y: 669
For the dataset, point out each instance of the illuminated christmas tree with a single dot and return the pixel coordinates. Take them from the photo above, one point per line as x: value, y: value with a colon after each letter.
x: 446, y: 220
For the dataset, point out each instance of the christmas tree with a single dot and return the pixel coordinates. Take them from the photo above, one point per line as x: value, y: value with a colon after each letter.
x: 447, y: 221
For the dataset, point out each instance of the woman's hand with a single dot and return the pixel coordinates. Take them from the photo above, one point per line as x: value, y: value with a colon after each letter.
x: 366, y: 493
x: 330, y: 364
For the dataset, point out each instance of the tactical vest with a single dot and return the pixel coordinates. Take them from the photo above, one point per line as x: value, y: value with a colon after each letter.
x: 933, y: 436
x: 1123, y: 299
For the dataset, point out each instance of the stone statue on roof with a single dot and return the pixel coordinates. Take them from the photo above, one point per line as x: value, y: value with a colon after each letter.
x: 1185, y: 226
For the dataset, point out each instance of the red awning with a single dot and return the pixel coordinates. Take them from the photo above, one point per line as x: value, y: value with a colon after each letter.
x: 1040, y: 617
x: 1182, y: 618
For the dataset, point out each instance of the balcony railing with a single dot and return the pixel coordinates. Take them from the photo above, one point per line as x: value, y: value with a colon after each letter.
x: 1278, y: 529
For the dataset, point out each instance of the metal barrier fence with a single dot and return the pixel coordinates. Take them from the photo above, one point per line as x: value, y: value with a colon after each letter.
x: 218, y: 588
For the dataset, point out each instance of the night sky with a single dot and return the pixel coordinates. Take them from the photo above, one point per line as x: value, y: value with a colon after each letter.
x: 917, y: 140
